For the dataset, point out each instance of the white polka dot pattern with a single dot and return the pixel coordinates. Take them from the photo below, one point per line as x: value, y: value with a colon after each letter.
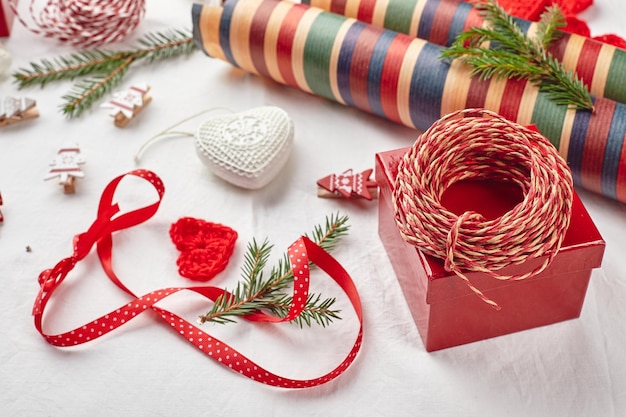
x: 300, y: 254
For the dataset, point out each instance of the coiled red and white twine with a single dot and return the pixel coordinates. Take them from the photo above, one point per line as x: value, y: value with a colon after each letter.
x: 476, y: 144
x: 83, y: 23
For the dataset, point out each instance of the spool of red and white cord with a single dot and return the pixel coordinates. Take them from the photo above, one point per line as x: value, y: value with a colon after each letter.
x: 476, y: 144
x: 82, y: 23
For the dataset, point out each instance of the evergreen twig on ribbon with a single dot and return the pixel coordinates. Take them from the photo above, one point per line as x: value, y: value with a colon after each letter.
x: 256, y: 293
x: 104, y: 69
x: 502, y: 49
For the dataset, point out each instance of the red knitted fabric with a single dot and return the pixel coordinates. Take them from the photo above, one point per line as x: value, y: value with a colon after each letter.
x: 205, y: 247
x: 525, y: 9
x: 577, y: 26
x: 572, y: 7
x: 532, y: 9
x: 612, y: 39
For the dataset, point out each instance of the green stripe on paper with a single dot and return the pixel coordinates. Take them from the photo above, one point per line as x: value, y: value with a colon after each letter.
x: 399, y: 14
x: 318, y: 50
x: 549, y: 118
x: 615, y: 88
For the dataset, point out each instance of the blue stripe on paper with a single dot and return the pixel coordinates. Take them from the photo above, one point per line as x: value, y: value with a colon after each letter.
x: 458, y: 22
x: 613, y: 151
x: 426, y: 20
x: 375, y: 72
x: 345, y: 61
x: 577, y: 144
x: 227, y: 15
x: 427, y: 84
x: 196, y: 12
x: 523, y: 24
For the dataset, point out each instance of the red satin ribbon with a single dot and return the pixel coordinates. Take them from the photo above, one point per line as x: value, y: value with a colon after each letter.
x: 100, y: 234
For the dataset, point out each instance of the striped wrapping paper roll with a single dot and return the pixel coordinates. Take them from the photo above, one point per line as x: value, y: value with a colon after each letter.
x: 601, y: 66
x: 401, y: 78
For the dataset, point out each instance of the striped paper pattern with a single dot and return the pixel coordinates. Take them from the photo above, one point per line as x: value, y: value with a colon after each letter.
x: 401, y: 78
x: 602, y: 67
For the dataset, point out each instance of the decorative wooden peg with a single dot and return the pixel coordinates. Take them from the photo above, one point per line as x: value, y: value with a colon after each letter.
x: 66, y: 167
x: 348, y: 185
x: 15, y: 110
x: 128, y: 103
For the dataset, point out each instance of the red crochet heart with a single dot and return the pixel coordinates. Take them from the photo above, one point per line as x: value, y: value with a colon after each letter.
x: 205, y: 247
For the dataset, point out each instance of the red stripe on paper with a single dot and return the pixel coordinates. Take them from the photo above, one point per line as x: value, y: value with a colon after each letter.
x: 359, y: 66
x: 284, y: 46
x: 390, y: 76
x: 587, y: 60
x: 477, y: 93
x: 441, y: 23
x: 595, y: 145
x: 257, y: 36
x: 512, y: 97
x: 474, y: 19
x: 557, y: 49
x: 338, y: 6
x: 366, y: 11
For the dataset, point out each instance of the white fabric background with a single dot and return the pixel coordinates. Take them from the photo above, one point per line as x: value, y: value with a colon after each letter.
x: 575, y: 368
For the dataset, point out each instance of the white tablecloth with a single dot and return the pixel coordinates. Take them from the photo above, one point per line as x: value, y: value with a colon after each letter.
x: 574, y: 368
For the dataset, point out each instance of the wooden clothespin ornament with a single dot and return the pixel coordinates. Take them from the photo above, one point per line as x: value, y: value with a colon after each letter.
x: 15, y: 110
x: 348, y: 185
x: 127, y: 104
x: 66, y: 167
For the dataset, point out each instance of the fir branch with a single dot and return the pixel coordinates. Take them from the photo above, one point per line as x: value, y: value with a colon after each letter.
x: 547, y: 27
x: 158, y: 46
x: 503, y: 50
x: 317, y: 310
x: 255, y: 293
x: 76, y: 65
x: 105, y: 68
x: 86, y: 92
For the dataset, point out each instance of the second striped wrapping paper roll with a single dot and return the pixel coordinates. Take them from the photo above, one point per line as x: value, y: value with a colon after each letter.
x: 401, y: 78
x: 601, y: 66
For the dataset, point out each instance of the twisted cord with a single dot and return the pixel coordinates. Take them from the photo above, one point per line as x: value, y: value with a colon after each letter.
x: 477, y: 144
x: 83, y: 23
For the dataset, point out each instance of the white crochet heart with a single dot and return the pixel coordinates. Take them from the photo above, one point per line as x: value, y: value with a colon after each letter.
x: 247, y: 149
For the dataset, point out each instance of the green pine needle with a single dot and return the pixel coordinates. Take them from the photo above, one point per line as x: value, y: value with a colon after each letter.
x: 255, y: 293
x: 503, y: 50
x: 104, y: 69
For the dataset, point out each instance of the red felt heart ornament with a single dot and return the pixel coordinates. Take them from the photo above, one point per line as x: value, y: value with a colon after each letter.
x: 205, y: 247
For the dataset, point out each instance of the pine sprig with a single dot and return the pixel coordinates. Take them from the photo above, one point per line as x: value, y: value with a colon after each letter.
x: 88, y: 91
x: 105, y: 69
x: 255, y: 293
x: 503, y: 50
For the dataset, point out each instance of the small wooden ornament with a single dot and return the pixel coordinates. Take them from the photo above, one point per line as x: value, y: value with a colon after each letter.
x: 16, y: 110
x: 66, y: 167
x: 127, y: 104
x: 348, y: 185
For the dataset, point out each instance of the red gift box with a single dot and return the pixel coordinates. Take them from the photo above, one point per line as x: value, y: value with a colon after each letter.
x: 447, y: 313
x: 6, y: 18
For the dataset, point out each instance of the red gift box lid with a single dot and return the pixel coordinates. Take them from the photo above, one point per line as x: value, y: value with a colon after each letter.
x: 6, y: 18
x: 582, y: 247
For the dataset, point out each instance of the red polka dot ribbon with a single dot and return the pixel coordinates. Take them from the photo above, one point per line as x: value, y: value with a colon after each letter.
x: 100, y: 233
